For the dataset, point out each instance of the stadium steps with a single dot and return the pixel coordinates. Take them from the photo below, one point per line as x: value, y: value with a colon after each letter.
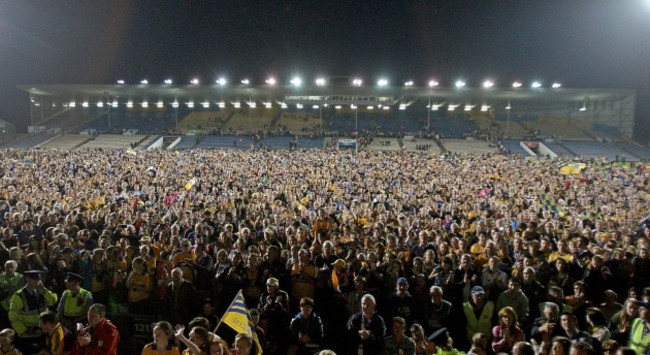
x: 147, y: 141
x: 442, y: 147
x: 566, y: 148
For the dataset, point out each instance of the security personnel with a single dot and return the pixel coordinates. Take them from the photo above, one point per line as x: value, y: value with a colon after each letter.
x: 479, y: 313
x: 75, y: 302
x: 26, y: 305
x: 640, y: 330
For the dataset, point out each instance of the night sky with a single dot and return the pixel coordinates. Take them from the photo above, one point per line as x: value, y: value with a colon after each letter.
x: 581, y: 43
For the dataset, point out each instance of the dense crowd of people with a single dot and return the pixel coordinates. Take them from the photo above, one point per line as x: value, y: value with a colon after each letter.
x: 360, y: 253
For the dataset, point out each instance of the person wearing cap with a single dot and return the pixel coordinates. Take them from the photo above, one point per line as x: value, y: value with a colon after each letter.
x: 479, y: 313
x: 75, y: 302
x: 25, y: 306
x: 306, y: 329
x: 441, y: 343
x: 639, y: 339
x: 274, y: 313
x: 401, y: 303
x: 367, y: 329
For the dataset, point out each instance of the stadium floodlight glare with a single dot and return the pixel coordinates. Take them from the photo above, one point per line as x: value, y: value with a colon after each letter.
x: 190, y: 104
x: 516, y: 84
x: 469, y: 107
x: 488, y: 84
x: 252, y: 104
x: 408, y: 83
x: 85, y: 104
x: 100, y: 104
x: 160, y: 104
x: 299, y: 106
x: 205, y: 104
x: 283, y: 105
x: 270, y: 81
x: 583, y: 108
x: 114, y: 104
x: 508, y: 107
x: 370, y: 108
x: 357, y: 82
x: 485, y: 108
x: 168, y: 81
x: 460, y: 84
x: 556, y: 85
x: 435, y: 107
x: 129, y: 104
x: 382, y: 82
x: 175, y: 104
x: 222, y: 81
x: 221, y: 104
x: 144, y: 81
x: 120, y: 82
x: 353, y: 106
x: 296, y: 81
x: 386, y: 108
x: 268, y: 104
x: 315, y: 107
x: 433, y: 83
x: 145, y: 104
x: 452, y: 107
x: 402, y: 107
x: 320, y: 81
x: 245, y: 81
x: 194, y: 81
x: 337, y: 107
x: 536, y: 85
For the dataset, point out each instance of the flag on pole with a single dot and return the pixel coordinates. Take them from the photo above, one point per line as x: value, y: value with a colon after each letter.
x: 239, y: 319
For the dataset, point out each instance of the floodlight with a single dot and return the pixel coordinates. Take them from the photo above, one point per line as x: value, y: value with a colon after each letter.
x: 536, y: 85
x: 299, y: 106
x: 469, y: 107
x: 283, y: 105
x: 315, y: 107
x: 120, y: 82
x: 145, y: 104
x: 516, y: 84
x: 114, y: 103
x: 252, y: 104
x: 402, y: 107
x: 245, y: 81
x: 357, y: 82
x: 583, y: 108
x: 194, y: 81
x: 320, y: 81
x: 386, y: 108
x: 296, y: 81
x: 556, y: 85
x: 168, y: 81
x: 221, y: 104
x: 433, y: 83
x: 175, y: 104
x: 508, y: 107
x: 271, y: 81
x: 460, y: 84
x: 129, y: 104
x: 206, y: 104
x: 435, y: 107
x: 353, y: 106
x: 452, y: 107
x: 190, y: 104
x: 100, y: 104
x: 488, y: 84
x: 337, y: 107
x: 370, y: 108
x: 268, y: 104
x: 84, y: 104
x: 159, y: 104
x: 72, y: 104
x: 222, y: 81
x: 236, y: 104
x: 144, y: 81
x: 382, y: 82
x: 408, y: 83
x: 485, y: 108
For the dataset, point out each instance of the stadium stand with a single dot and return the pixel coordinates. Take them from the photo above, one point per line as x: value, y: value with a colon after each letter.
x: 469, y: 146
x: 595, y: 149
x: 67, y: 141
x: 514, y: 147
x: 299, y: 123
x: 113, y: 141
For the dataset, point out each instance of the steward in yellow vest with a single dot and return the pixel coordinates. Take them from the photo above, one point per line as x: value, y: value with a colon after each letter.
x: 640, y: 330
x: 479, y: 314
x: 75, y: 302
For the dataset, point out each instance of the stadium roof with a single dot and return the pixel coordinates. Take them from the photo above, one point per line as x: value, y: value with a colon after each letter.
x: 324, y: 94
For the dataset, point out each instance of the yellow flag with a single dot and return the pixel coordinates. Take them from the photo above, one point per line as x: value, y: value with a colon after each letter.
x: 239, y: 319
x: 335, y: 280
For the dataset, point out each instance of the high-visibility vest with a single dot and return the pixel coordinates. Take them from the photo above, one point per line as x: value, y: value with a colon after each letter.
x: 483, y: 324
x: 74, y: 305
x: 638, y: 342
x: 23, y: 312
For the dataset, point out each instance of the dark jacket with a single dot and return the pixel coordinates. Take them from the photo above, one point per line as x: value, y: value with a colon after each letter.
x: 377, y: 327
x: 312, y: 326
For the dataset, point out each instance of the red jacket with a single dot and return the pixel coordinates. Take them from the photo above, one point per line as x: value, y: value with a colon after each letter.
x: 104, y: 340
